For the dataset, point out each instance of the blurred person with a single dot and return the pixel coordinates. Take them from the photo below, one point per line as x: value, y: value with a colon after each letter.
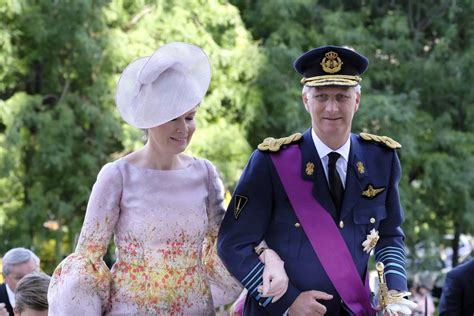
x: 323, y: 200
x: 17, y: 262
x: 422, y: 297
x: 163, y: 206
x: 457, y: 297
x: 32, y: 295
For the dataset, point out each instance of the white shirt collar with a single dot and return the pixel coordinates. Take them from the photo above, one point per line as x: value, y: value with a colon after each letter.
x: 11, y: 295
x: 324, y: 150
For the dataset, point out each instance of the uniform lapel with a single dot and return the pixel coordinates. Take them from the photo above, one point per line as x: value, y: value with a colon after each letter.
x: 356, y: 175
x: 320, y: 191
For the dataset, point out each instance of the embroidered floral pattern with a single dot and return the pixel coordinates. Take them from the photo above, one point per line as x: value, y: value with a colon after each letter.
x: 171, y: 288
x: 159, y: 221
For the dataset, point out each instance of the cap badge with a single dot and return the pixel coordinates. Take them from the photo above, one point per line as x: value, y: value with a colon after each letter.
x: 331, y: 63
x: 360, y: 167
x: 309, y: 168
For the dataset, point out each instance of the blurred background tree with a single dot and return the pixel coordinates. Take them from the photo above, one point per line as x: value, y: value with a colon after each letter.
x: 61, y: 60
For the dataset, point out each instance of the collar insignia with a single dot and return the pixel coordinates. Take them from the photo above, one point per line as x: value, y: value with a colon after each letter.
x: 371, y: 241
x: 371, y: 192
x: 331, y: 62
x: 360, y: 167
x: 239, y: 203
x: 309, y: 169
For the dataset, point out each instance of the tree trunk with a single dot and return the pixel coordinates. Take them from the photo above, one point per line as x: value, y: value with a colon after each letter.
x: 457, y: 233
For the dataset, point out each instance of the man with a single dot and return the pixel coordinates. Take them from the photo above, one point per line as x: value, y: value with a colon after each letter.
x: 17, y: 263
x: 458, y: 291
x: 321, y: 200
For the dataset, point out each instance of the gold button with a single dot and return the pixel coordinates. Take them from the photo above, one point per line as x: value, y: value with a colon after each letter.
x: 372, y: 220
x: 297, y: 225
x: 341, y: 224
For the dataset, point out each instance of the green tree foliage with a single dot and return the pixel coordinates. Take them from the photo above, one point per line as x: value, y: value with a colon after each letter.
x: 58, y: 130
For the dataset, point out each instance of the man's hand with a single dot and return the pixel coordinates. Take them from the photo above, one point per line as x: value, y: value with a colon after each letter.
x: 306, y: 303
x: 399, y: 305
x: 275, y: 279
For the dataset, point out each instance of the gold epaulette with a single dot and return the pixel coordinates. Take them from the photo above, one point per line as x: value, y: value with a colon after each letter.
x: 387, y: 141
x: 274, y: 144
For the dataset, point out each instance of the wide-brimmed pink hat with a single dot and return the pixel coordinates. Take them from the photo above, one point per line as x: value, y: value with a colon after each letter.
x: 156, y: 89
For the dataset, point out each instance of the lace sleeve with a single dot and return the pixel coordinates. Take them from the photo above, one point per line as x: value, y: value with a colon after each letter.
x: 81, y: 282
x: 224, y: 287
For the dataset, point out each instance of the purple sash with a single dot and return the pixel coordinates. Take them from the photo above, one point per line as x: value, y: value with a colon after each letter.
x: 323, y: 233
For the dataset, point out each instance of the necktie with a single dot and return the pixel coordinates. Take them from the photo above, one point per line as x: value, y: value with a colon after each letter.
x: 335, y: 183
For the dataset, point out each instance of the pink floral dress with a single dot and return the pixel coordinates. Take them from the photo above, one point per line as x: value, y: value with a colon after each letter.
x: 164, y: 224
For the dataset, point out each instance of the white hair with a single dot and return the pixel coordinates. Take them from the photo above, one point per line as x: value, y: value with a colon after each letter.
x: 17, y: 256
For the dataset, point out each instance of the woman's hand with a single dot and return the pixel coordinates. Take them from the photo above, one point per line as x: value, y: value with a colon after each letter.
x: 275, y: 279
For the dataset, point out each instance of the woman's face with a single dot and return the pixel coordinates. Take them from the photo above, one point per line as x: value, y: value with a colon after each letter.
x: 174, y: 136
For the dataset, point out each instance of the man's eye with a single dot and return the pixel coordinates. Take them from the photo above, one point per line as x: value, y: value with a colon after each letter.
x: 190, y: 118
x: 321, y: 97
x: 342, y: 97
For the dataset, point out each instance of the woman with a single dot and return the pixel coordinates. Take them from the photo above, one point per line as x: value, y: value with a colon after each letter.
x: 160, y: 204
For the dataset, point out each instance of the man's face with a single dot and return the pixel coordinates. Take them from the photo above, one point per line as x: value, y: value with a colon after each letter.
x: 18, y: 272
x: 331, y: 110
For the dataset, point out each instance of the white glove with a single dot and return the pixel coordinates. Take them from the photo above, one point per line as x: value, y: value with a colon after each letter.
x: 275, y: 279
x: 400, y: 305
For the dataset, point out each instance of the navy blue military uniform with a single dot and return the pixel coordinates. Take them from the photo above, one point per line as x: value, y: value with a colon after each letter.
x: 4, y: 298
x: 260, y: 210
x: 458, y: 291
x: 267, y: 214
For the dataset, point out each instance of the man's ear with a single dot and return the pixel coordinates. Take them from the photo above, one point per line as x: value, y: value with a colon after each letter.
x: 357, y: 103
x: 304, y: 97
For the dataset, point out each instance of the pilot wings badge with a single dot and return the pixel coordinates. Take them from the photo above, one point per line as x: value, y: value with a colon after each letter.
x: 371, y: 192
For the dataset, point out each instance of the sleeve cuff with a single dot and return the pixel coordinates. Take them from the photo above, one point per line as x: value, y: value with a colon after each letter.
x: 393, y: 259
